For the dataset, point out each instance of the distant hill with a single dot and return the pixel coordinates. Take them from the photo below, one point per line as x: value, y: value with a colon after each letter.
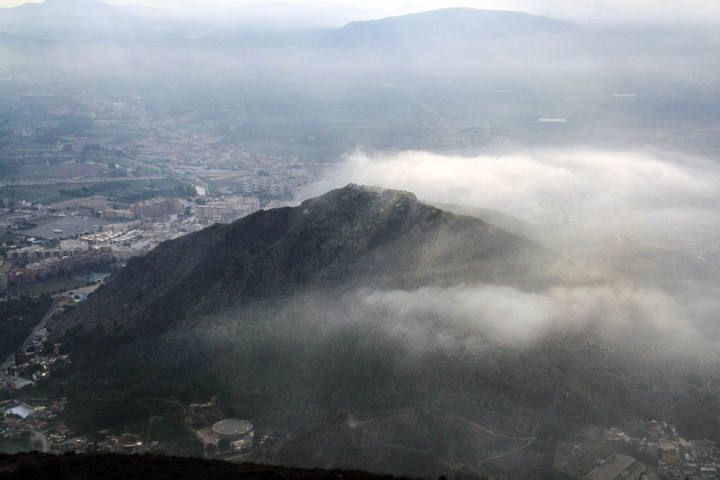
x: 448, y: 25
x: 61, y: 20
x: 448, y: 35
x: 70, y: 20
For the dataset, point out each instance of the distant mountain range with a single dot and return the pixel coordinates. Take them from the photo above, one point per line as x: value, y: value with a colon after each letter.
x: 65, y: 20
x: 69, y: 13
x: 68, y: 20
x: 448, y: 24
x: 462, y: 36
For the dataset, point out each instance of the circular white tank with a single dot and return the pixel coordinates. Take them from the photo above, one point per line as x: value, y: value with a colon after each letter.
x: 233, y: 428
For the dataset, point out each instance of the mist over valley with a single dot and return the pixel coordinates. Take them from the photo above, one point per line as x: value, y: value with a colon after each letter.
x: 461, y: 242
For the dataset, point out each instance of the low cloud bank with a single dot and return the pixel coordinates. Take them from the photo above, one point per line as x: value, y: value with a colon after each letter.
x: 469, y: 316
x: 647, y: 222
x: 623, y: 191
x: 617, y: 208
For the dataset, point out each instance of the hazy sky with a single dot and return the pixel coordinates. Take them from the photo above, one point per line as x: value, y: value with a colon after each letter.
x: 668, y: 10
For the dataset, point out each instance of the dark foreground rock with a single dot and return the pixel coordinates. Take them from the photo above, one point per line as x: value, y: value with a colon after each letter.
x: 150, y: 467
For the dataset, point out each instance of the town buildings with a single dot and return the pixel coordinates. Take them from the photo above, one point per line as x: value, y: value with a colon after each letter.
x: 156, y: 207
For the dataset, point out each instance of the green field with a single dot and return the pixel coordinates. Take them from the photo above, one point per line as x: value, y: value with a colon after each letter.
x: 121, y: 191
x: 51, y: 286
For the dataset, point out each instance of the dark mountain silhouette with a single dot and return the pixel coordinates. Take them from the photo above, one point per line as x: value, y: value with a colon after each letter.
x: 277, y: 317
x: 151, y: 467
x: 351, y: 237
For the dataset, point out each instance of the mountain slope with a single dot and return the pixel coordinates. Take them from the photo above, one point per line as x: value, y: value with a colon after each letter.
x: 360, y: 329
x: 69, y: 20
x: 505, y: 222
x: 72, y: 20
x: 448, y: 30
x: 354, y: 236
x: 455, y: 21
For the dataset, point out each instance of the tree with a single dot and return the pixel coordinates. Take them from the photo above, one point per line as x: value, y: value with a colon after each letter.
x: 210, y: 449
x: 224, y: 445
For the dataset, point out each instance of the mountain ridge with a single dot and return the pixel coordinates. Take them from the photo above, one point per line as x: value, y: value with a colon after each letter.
x: 353, y: 235
x: 65, y: 20
x: 472, y: 17
x: 305, y: 318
